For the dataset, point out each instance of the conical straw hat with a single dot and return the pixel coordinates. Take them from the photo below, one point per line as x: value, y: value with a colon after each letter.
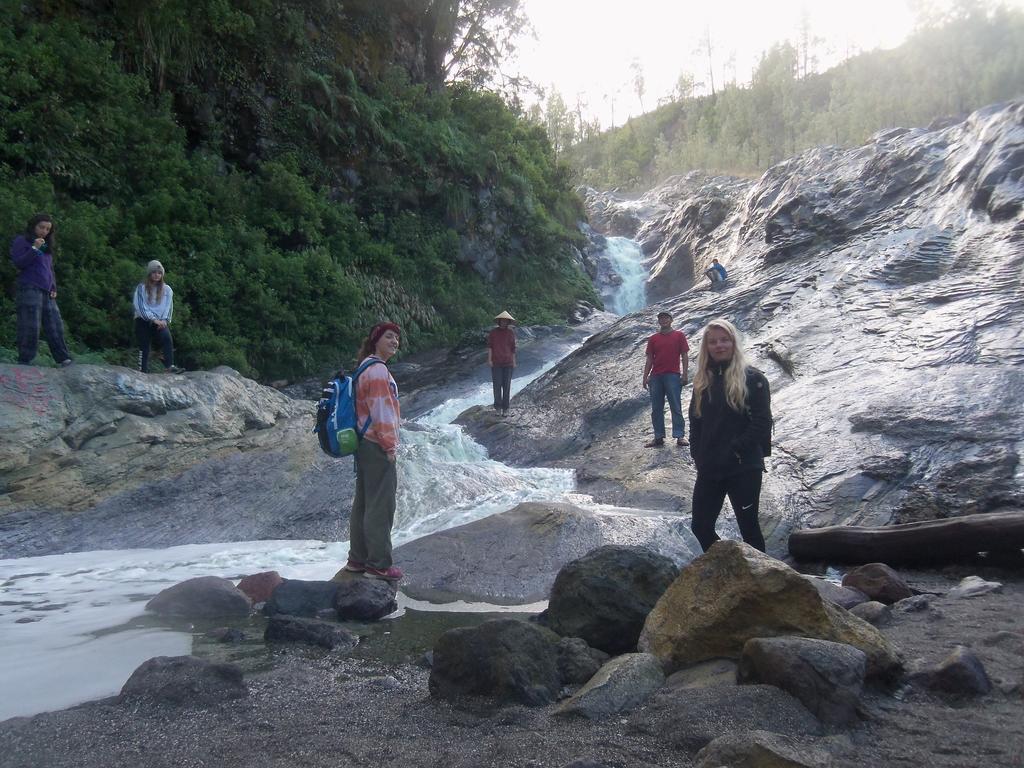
x: 504, y: 316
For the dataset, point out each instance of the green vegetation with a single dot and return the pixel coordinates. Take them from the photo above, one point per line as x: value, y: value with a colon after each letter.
x: 298, y: 174
x: 949, y: 67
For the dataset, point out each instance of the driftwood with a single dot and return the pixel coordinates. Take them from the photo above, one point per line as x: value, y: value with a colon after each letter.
x: 931, y: 541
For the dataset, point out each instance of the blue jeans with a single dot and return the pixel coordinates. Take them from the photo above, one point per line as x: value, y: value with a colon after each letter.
x: 667, y: 385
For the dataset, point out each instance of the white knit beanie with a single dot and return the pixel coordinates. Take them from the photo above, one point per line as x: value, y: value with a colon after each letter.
x: 153, y: 266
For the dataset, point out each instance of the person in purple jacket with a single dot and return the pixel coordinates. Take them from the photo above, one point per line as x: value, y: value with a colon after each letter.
x: 36, y: 302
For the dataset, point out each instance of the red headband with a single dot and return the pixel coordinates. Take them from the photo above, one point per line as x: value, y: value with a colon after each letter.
x: 380, y: 329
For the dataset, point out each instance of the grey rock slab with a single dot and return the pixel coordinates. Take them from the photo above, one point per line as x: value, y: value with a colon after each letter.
x: 299, y: 597
x: 706, y: 674
x: 762, y: 749
x: 577, y: 661
x: 959, y: 674
x: 844, y: 597
x: 184, y: 681
x: 504, y: 659
x: 621, y: 685
x: 973, y: 586
x: 873, y: 612
x: 825, y: 677
x: 690, y: 718
x: 364, y: 599
x: 513, y: 557
x: 296, y: 629
x: 853, y: 277
x: 201, y: 597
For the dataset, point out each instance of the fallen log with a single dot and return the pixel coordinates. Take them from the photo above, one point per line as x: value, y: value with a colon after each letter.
x: 927, y: 542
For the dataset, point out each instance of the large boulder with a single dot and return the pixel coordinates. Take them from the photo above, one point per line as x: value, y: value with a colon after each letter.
x: 734, y: 593
x: 299, y: 597
x: 505, y: 659
x: 204, y: 597
x: 879, y: 582
x: 513, y: 557
x: 184, y: 680
x: 621, y: 685
x: 605, y: 596
x: 825, y: 677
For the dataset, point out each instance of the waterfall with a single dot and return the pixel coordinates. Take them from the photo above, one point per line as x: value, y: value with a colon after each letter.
x: 622, y: 276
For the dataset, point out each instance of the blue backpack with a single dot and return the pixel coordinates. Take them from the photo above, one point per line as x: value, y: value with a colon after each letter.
x: 337, y: 426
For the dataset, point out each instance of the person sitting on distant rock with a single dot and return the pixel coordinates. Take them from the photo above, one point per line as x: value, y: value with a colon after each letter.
x: 373, y: 508
x: 662, y: 377
x: 730, y: 425
x: 716, y: 272
x: 154, y: 305
x: 501, y: 356
x: 36, y: 298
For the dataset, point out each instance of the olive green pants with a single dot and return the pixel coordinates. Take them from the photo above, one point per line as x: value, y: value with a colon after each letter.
x: 373, y: 508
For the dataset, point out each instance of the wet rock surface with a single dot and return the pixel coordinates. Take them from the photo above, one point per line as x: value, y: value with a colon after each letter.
x: 96, y: 457
x: 872, y: 282
x: 513, y: 557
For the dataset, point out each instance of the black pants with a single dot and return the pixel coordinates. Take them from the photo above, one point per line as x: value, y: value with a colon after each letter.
x: 501, y: 378
x: 34, y: 306
x: 145, y: 332
x: 744, y: 492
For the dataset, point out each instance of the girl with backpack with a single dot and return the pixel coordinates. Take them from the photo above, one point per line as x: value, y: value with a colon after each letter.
x: 373, y: 508
x: 154, y: 305
x: 730, y: 434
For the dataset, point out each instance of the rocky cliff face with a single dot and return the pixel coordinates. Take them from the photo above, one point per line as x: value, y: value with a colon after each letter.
x: 95, y: 458
x: 880, y: 289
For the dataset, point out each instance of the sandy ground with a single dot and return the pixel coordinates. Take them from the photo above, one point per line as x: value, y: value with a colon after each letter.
x: 313, y: 708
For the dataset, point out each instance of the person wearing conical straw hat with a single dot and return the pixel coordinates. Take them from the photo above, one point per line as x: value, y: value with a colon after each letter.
x: 501, y: 356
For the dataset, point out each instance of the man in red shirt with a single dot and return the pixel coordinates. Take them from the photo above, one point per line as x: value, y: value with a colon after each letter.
x: 501, y: 356
x: 662, y: 377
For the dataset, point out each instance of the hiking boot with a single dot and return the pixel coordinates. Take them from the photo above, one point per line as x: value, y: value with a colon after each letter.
x: 353, y: 566
x: 175, y: 369
x: 394, y: 573
x: 66, y: 363
x: 655, y: 443
x: 682, y: 442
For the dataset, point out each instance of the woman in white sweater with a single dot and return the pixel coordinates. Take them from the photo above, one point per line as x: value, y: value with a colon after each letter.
x: 154, y: 305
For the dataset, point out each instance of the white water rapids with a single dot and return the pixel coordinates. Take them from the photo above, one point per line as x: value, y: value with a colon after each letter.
x: 72, y: 626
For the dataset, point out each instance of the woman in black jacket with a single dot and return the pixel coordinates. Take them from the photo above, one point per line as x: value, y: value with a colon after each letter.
x: 730, y: 434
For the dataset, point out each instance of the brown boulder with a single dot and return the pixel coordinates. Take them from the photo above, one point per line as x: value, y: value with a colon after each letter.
x: 879, y: 582
x: 260, y: 586
x: 734, y: 593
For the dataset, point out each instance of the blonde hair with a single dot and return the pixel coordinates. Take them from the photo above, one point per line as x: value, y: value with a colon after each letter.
x: 735, y: 374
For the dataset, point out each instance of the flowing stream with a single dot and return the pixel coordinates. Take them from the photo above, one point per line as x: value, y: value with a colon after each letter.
x: 73, y: 626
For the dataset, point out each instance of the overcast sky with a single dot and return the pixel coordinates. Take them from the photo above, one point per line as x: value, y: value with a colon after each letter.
x: 585, y: 47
